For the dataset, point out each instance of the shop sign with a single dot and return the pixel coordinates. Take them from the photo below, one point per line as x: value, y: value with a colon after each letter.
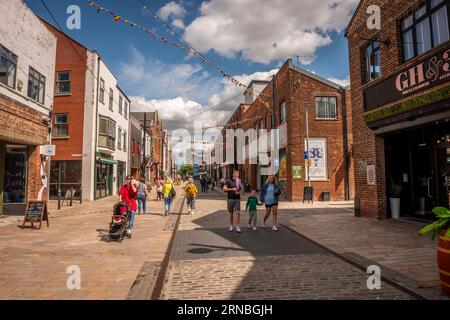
x: 317, y: 159
x: 296, y: 172
x: 371, y: 175
x: 36, y: 212
x: 422, y: 76
x: 48, y: 150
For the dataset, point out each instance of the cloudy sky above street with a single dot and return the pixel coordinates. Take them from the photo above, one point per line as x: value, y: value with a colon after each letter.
x: 249, y: 39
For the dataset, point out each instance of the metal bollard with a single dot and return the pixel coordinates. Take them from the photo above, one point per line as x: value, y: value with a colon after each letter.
x: 71, y: 196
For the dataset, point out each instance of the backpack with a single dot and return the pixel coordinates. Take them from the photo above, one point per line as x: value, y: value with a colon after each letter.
x: 190, y: 190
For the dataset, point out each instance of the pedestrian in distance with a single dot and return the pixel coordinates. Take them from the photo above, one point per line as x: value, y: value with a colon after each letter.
x: 159, y: 192
x: 270, y: 194
x: 191, y: 193
x: 142, y: 197
x: 128, y: 193
x: 169, y: 194
x: 252, y: 209
x: 233, y: 189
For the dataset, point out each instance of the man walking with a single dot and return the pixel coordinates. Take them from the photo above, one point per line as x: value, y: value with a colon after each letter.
x: 233, y: 189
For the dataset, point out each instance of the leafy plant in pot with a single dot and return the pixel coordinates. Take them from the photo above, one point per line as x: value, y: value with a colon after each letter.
x: 394, y: 200
x: 441, y: 227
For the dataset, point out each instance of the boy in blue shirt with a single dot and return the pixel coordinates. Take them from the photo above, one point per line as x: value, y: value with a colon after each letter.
x: 252, y: 208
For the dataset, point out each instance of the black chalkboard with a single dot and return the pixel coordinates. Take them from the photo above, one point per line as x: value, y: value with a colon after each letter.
x: 36, y: 211
x: 308, y: 194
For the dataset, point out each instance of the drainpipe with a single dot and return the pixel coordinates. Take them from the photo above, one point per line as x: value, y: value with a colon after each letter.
x: 345, y: 140
x: 96, y: 126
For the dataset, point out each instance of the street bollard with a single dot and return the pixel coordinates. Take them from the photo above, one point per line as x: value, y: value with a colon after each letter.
x: 71, y: 196
x: 81, y: 195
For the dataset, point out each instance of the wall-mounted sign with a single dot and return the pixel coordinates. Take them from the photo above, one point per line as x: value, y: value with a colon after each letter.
x: 48, y: 150
x: 318, y: 170
x: 371, y: 175
x: 419, y: 77
x: 296, y: 172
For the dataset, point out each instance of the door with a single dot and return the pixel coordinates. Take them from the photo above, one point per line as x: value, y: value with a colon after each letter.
x: 423, y: 175
x: 443, y: 175
x: 2, y: 174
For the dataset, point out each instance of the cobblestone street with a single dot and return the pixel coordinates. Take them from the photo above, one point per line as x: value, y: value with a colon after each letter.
x: 209, y: 262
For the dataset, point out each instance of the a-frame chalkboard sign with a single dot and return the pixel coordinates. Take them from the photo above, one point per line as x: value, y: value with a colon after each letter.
x: 36, y: 212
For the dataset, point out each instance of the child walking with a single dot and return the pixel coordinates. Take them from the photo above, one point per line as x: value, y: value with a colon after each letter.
x: 252, y: 209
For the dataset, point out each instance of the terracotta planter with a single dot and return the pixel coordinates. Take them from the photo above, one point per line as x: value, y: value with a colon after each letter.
x: 443, y: 255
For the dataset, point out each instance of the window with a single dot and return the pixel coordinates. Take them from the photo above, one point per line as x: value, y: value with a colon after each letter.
x: 124, y: 141
x: 36, y: 86
x: 326, y: 108
x: 261, y: 124
x: 61, y: 126
x: 120, y: 104
x: 8, y: 67
x: 372, y: 56
x: 426, y: 28
x: 119, y: 139
x: 283, y: 113
x: 101, y: 96
x: 63, y: 82
x: 126, y: 110
x: 107, y: 133
x: 111, y: 99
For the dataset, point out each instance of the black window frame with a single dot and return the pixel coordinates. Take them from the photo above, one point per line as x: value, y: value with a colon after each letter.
x: 34, y: 75
x: 375, y: 46
x: 335, y: 107
x: 55, y: 124
x: 428, y: 14
x: 8, y: 55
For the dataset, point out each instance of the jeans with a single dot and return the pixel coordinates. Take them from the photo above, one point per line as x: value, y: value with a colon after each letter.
x: 168, y: 204
x: 142, y: 203
x: 190, y: 202
x: 131, y: 221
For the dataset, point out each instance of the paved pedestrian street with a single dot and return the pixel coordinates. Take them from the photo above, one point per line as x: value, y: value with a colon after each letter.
x: 209, y: 262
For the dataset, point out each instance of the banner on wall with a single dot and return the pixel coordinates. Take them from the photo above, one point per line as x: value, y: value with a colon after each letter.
x: 318, y: 156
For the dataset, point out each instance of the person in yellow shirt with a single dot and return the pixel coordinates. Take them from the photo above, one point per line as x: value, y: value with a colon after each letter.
x: 168, y: 194
x: 191, y: 192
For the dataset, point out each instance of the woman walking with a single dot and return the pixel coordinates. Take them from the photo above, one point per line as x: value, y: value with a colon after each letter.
x: 142, y: 197
x: 169, y: 194
x: 270, y: 193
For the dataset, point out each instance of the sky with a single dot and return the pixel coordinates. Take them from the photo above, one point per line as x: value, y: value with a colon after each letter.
x: 248, y: 39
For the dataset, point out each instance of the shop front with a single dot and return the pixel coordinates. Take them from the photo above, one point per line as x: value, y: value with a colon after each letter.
x: 65, y: 176
x: 104, y: 176
x: 13, y: 178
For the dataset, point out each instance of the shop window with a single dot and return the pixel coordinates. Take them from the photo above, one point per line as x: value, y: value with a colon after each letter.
x: 8, y: 67
x: 326, y: 108
x: 36, y: 86
x: 111, y: 99
x: 15, y: 174
x: 61, y: 126
x: 372, y: 55
x: 425, y: 28
x: 107, y: 133
x: 101, y: 96
x: 63, y: 82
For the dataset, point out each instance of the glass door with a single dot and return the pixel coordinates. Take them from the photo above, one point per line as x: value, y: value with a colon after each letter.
x: 423, y: 176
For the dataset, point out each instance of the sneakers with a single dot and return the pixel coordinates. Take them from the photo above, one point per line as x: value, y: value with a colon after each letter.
x: 231, y: 229
x: 192, y: 212
x: 254, y: 229
x: 238, y: 230
x: 274, y: 228
x: 249, y: 226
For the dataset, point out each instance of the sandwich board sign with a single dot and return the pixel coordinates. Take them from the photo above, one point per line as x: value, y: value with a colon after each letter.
x: 36, y: 212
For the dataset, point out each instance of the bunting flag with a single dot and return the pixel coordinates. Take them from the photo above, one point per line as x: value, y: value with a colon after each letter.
x: 188, y: 50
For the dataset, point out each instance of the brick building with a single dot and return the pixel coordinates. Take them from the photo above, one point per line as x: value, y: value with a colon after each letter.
x: 401, y: 107
x: 90, y: 123
x: 27, y: 66
x: 329, y: 136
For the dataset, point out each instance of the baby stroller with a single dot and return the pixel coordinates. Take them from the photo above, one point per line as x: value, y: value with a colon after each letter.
x: 118, y: 228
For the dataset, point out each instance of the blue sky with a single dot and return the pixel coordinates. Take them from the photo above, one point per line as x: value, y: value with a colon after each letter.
x: 242, y: 36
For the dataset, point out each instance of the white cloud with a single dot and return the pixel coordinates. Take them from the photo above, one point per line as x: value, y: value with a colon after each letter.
x: 267, y: 30
x: 174, y: 11
x: 343, y: 82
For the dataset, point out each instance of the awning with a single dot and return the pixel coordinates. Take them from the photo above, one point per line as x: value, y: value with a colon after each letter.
x: 107, y: 161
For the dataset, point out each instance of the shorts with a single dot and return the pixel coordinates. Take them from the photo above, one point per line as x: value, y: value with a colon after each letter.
x: 271, y: 205
x: 234, y: 205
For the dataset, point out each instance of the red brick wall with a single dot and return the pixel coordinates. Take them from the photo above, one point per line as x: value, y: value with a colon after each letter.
x: 367, y: 148
x: 70, y: 56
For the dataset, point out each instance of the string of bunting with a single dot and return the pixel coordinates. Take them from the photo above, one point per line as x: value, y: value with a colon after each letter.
x: 189, y: 51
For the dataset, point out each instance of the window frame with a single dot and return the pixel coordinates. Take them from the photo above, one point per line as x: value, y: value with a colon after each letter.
x: 7, y: 54
x: 111, y: 99
x: 428, y: 15
x: 101, y: 96
x: 283, y: 113
x: 119, y: 140
x: 124, y: 146
x: 367, y: 71
x: 328, y: 112
x: 59, y: 81
x: 55, y: 124
x: 120, y: 104
x: 110, y: 134
x: 32, y: 76
x: 125, y: 113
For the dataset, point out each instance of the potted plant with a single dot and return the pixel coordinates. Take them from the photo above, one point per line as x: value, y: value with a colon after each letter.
x: 441, y: 227
x: 394, y: 200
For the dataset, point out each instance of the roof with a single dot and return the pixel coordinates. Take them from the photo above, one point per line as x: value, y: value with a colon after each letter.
x: 313, y: 75
x: 354, y: 16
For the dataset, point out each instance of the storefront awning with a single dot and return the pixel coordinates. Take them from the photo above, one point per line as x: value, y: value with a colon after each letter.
x: 107, y: 161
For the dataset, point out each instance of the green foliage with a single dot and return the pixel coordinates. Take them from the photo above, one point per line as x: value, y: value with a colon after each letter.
x: 443, y: 223
x: 186, y: 170
x: 426, y: 99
